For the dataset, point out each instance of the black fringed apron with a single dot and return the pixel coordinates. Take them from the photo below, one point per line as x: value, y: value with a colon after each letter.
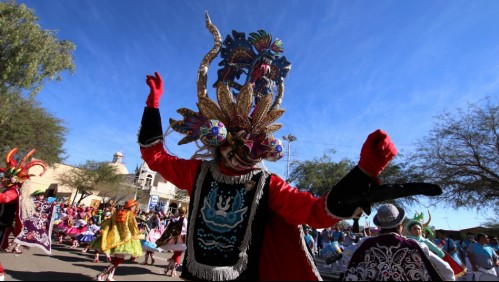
x: 226, y: 224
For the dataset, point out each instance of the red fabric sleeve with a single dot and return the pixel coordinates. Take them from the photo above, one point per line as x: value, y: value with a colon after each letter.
x: 180, y: 172
x: 8, y: 196
x: 283, y: 254
x: 298, y: 207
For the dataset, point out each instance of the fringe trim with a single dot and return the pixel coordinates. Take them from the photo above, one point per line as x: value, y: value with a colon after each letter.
x: 28, y: 208
x: 357, y: 211
x: 227, y: 179
x: 51, y: 225
x: 151, y: 144
x: 218, y: 273
x: 33, y: 245
x: 309, y: 257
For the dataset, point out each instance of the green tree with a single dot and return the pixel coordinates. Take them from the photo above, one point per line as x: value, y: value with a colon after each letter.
x: 492, y: 224
x: 29, y: 126
x: 121, y: 191
x: 397, y: 172
x: 92, y: 177
x: 461, y: 154
x: 29, y: 57
x: 319, y: 175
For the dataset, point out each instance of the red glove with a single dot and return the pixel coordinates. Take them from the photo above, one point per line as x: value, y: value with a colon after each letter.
x: 156, y: 85
x: 376, y: 153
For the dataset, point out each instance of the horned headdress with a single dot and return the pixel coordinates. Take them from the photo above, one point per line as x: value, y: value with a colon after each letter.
x: 246, y: 110
x: 419, y: 219
x: 14, y: 174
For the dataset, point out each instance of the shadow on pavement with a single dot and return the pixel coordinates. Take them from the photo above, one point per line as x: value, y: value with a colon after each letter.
x: 59, y: 247
x: 64, y: 258
x: 47, y: 276
x: 96, y: 267
x: 121, y: 270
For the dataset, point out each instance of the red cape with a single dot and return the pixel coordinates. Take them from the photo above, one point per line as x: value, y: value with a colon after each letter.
x: 284, y: 255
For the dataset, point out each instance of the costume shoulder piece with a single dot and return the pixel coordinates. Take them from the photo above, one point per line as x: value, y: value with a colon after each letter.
x: 252, y: 72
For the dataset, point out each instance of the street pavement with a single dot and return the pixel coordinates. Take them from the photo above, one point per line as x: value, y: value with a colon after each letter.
x: 66, y: 264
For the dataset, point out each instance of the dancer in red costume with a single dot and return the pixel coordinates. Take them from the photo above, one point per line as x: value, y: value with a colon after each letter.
x: 244, y: 221
x: 12, y: 178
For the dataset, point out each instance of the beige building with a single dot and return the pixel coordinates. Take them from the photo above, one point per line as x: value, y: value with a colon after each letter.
x: 153, y: 192
x: 159, y: 193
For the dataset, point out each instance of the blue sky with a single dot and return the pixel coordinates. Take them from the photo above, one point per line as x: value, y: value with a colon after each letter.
x: 356, y: 66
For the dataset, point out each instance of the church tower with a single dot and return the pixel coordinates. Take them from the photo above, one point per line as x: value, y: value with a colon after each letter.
x: 118, y: 163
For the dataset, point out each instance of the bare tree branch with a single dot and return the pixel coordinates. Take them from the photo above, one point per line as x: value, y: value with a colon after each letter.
x: 461, y: 154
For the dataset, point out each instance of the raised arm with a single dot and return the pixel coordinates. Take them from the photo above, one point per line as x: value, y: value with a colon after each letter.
x: 151, y: 130
x: 178, y: 171
x: 360, y: 188
x: 347, y: 198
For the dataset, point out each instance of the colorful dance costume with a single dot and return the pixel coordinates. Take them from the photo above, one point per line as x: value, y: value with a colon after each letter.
x: 79, y: 227
x: 88, y: 236
x: 149, y: 244
x: 62, y: 226
x: 457, y: 268
x: 120, y: 237
x: 244, y: 221
x: 12, y: 178
x: 178, y: 246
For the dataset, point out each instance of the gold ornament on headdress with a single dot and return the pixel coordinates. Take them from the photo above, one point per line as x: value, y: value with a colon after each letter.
x: 248, y: 116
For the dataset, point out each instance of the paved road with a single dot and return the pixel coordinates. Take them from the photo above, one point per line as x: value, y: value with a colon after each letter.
x: 66, y: 264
